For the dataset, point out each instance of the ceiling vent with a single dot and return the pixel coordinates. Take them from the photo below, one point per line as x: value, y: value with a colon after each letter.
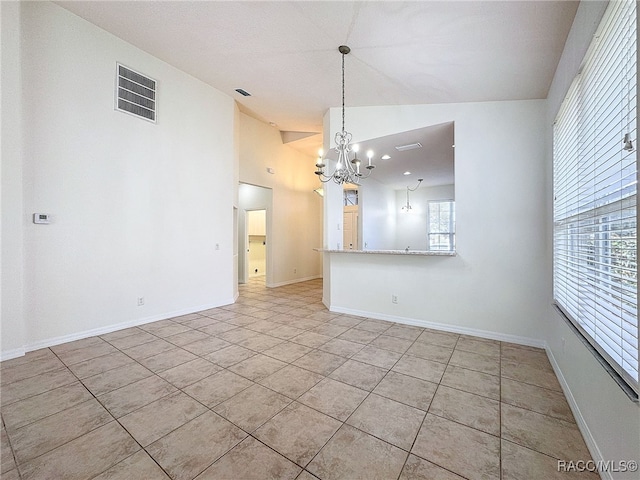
x: 135, y: 94
x: 411, y: 146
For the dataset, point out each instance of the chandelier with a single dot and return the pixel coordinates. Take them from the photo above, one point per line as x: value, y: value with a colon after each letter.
x: 347, y: 169
x: 408, y: 206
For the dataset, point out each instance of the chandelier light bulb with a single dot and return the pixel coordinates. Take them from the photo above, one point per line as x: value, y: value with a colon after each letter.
x: 370, y: 156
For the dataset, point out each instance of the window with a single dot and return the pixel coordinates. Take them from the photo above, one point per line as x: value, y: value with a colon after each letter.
x: 350, y: 196
x: 595, y: 180
x: 441, y: 233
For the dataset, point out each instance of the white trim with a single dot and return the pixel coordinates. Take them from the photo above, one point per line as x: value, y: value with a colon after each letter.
x: 326, y: 303
x: 15, y: 353
x: 50, y: 342
x: 289, y: 282
x: 595, y: 452
x: 503, y: 337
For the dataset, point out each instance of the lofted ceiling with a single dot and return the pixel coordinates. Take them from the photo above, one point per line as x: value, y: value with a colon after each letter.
x: 285, y: 52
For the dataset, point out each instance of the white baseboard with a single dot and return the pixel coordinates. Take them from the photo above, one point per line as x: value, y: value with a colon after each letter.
x: 503, y: 337
x: 50, y: 342
x: 289, y: 282
x: 326, y: 304
x: 9, y: 354
x: 595, y: 452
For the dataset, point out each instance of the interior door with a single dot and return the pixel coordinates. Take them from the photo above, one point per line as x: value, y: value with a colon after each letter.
x: 350, y: 228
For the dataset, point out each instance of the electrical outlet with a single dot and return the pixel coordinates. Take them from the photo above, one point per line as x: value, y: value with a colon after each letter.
x: 563, y: 341
x: 295, y: 270
x: 394, y: 298
x: 140, y: 301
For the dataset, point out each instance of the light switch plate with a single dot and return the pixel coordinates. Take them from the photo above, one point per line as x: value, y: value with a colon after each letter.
x: 41, y: 218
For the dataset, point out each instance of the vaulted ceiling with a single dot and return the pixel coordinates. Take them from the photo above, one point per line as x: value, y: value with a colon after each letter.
x: 285, y: 52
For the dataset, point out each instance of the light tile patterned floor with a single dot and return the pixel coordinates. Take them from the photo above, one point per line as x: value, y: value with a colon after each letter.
x: 277, y: 387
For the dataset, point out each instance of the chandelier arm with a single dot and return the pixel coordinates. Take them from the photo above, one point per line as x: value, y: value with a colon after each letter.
x: 416, y: 187
x: 363, y: 175
x: 320, y: 177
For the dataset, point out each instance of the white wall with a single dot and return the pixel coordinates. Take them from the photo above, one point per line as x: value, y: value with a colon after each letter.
x: 137, y: 208
x: 236, y: 186
x: 609, y: 421
x: 11, y: 201
x: 499, y: 268
x: 296, y: 215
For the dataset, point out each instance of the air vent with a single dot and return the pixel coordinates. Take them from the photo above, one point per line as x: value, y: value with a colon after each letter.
x: 136, y: 94
x: 243, y: 92
x: 411, y: 146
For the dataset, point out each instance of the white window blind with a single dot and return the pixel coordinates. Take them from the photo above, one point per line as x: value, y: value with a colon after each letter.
x: 441, y: 225
x: 594, y: 166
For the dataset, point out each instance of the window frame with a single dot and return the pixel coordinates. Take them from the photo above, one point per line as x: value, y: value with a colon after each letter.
x: 585, y: 206
x: 450, y: 231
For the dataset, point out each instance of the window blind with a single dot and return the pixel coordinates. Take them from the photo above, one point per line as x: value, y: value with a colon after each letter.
x: 595, y: 182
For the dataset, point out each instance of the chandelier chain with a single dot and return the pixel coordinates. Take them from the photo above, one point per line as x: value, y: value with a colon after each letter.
x: 343, y: 92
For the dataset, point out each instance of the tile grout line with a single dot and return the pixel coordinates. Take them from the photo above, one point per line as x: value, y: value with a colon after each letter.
x: 290, y: 363
x: 137, y: 409
x: 368, y: 395
x: 425, y: 417
x: 13, y: 453
x: 96, y: 428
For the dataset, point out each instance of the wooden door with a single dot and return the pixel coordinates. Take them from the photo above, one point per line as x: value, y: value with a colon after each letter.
x: 350, y: 228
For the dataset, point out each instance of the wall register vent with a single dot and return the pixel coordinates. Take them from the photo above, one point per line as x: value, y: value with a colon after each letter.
x: 135, y: 94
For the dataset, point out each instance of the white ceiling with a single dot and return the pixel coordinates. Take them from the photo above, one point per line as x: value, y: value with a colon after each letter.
x: 285, y: 53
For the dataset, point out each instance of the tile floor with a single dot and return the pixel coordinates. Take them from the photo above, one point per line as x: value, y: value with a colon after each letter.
x: 277, y: 387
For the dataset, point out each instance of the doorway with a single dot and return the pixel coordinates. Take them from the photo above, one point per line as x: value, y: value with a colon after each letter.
x: 254, y: 230
x: 257, y: 242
